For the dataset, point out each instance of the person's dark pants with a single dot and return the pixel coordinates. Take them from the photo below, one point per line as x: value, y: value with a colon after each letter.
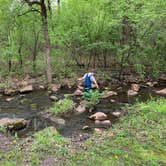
x: 87, y: 89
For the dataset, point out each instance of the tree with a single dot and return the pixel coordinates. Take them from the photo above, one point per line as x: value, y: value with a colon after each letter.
x: 43, y: 10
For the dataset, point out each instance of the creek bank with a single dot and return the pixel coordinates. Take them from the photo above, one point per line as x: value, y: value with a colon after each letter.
x: 15, y: 85
x: 71, y: 124
x: 111, y: 99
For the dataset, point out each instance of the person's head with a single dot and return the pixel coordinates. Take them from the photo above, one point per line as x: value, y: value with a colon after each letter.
x: 93, y: 71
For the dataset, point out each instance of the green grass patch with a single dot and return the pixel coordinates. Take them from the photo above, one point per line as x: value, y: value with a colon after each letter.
x: 62, y: 106
x: 138, y: 139
x: 47, y: 142
x: 153, y: 105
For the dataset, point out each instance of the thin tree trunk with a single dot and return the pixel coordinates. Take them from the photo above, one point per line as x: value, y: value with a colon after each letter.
x: 20, y: 55
x: 58, y: 2
x: 47, y: 42
x: 94, y: 58
x: 105, y: 59
x: 9, y: 65
x: 35, y: 53
x: 125, y: 40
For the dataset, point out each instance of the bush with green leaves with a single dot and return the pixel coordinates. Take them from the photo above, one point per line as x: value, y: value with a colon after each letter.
x: 93, y: 97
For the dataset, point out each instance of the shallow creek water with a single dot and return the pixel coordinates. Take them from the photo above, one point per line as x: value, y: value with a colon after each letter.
x: 29, y: 105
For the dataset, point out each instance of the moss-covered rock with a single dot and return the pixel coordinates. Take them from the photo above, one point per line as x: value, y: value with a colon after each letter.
x: 13, y: 123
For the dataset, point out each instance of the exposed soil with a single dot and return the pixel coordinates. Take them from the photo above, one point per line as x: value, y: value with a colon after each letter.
x: 5, y: 142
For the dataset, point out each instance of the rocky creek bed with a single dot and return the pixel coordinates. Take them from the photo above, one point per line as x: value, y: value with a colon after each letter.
x: 77, y: 126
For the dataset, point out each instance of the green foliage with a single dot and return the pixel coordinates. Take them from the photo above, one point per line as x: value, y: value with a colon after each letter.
x: 95, y: 28
x: 97, y: 32
x: 47, y: 141
x: 62, y: 106
x: 106, y: 77
x: 92, y: 96
x: 137, y: 139
x: 154, y: 105
x: 2, y: 129
x: 46, y: 138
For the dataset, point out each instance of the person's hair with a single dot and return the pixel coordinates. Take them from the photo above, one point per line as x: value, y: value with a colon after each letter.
x: 93, y: 70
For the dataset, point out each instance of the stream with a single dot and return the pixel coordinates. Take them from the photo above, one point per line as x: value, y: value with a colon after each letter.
x: 29, y: 105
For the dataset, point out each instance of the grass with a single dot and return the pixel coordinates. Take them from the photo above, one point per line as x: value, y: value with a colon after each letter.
x: 44, y: 143
x: 2, y: 129
x: 136, y: 139
x: 62, y: 106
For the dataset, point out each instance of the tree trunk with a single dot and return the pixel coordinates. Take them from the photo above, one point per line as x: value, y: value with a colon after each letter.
x: 124, y: 41
x: 47, y: 42
x: 35, y: 52
x: 105, y: 59
x: 9, y: 65
x: 58, y: 2
x: 20, y: 55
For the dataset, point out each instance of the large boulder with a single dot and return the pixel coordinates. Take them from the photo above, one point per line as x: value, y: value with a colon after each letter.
x: 98, y: 116
x: 161, y: 92
x: 41, y: 87
x: 103, y: 123
x: 81, y: 108
x: 78, y: 92
x: 9, y: 99
x: 23, y: 83
x: 10, y: 91
x: 26, y: 89
x: 55, y: 87
x: 151, y: 84
x: 13, y: 123
x: 135, y: 87
x: 131, y: 92
x: 54, y: 98
x: 108, y: 94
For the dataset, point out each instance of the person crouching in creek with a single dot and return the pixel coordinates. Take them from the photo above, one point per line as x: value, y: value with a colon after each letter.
x: 89, y: 79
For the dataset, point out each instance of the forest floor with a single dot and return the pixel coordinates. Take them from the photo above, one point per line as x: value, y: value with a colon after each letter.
x: 138, y: 138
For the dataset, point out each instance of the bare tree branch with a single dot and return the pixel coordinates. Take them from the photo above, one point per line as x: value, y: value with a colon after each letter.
x: 32, y: 10
x: 49, y: 6
x: 30, y: 3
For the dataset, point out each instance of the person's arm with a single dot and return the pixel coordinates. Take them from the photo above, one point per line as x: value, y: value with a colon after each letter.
x: 94, y: 80
x: 96, y: 84
x: 80, y: 79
